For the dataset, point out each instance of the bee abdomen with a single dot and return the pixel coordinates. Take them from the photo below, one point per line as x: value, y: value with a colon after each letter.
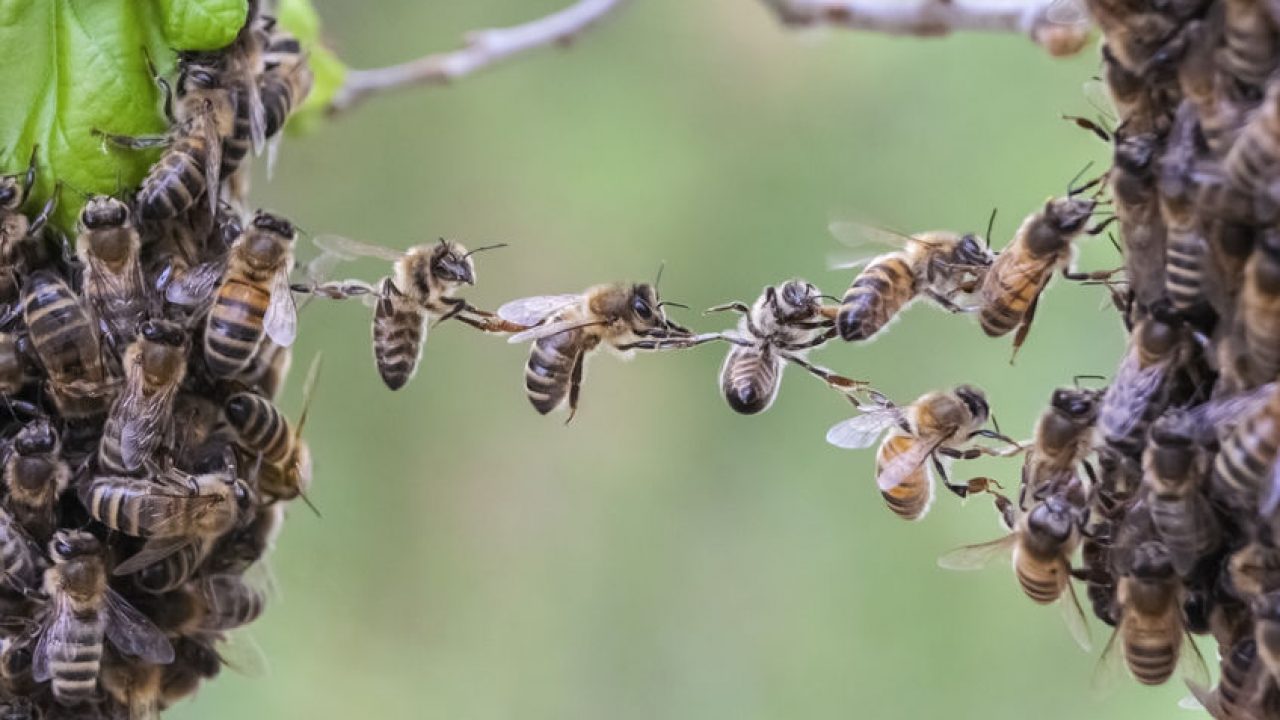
x: 1041, y: 588
x: 749, y: 379
x: 911, y: 498
x: 174, y: 570
x: 1244, y: 458
x: 397, y: 339
x: 875, y: 297
x: 118, y: 504
x: 547, y: 373
x: 74, y: 665
x: 1184, y: 267
x: 260, y: 426
x: 234, y: 328
x: 175, y: 182
x: 1152, y: 660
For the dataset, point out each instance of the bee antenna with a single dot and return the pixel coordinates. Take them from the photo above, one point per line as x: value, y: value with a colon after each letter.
x: 832, y: 298
x: 658, y: 280
x: 310, y: 504
x: 486, y: 247
x: 1072, y: 183
x: 991, y: 223
x: 666, y: 303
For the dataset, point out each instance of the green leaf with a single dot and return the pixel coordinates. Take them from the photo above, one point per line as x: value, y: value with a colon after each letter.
x: 84, y: 67
x: 299, y: 17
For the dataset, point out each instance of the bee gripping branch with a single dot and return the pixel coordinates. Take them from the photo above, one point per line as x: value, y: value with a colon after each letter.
x: 482, y: 49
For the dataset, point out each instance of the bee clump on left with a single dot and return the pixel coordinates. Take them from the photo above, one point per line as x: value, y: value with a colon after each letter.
x: 146, y: 468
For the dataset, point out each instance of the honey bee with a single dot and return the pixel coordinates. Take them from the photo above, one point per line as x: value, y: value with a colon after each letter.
x: 1243, y: 191
x: 566, y: 329
x: 20, y: 563
x: 1042, y: 542
x: 1136, y: 34
x: 267, y: 371
x: 783, y: 324
x: 252, y: 295
x: 243, y: 62
x: 421, y: 288
x: 109, y: 247
x: 1266, y: 611
x: 1151, y: 629
x: 1250, y: 45
x: 155, y: 364
x: 1185, y: 243
x: 1062, y: 440
x: 281, y: 457
x: 35, y: 476
x: 65, y: 339
x: 173, y: 510
x: 1140, y: 103
x: 1218, y: 117
x: 941, y: 266
x: 1173, y: 469
x: 1259, y: 308
x: 84, y: 610
x: 1043, y: 244
x: 1243, y: 471
x: 16, y: 229
x: 937, y: 426
x: 134, y: 686
x: 1254, y: 569
x: 286, y: 82
x: 14, y: 366
x: 1135, y: 394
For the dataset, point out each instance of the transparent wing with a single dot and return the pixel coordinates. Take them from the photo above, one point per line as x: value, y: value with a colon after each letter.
x: 1073, y: 616
x: 533, y: 310
x: 845, y: 261
x: 213, y: 161
x: 1272, y: 498
x: 1067, y: 12
x: 976, y: 557
x: 1191, y: 664
x: 239, y: 652
x: 1099, y: 97
x: 281, y: 320
x: 55, y: 636
x: 1206, y: 421
x: 196, y: 286
x: 897, y: 470
x: 548, y: 330
x: 349, y: 249
x: 863, y: 430
x: 153, y: 552
x: 133, y: 634
x: 142, y: 425
x: 257, y: 114
x: 1109, y: 670
x: 1129, y: 394
x: 857, y: 235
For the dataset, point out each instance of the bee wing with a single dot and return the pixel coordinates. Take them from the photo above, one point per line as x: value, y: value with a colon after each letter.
x: 550, y: 329
x: 142, y: 426
x: 1191, y: 664
x: 1207, y: 420
x: 1109, y: 668
x: 859, y: 235
x: 257, y: 113
x: 1073, y: 616
x: 156, y: 549
x: 213, y: 161
x: 1099, y: 97
x: 900, y: 468
x: 1129, y: 394
x: 533, y: 310
x: 133, y: 633
x: 196, y: 286
x: 281, y: 320
x: 863, y: 430
x: 976, y: 557
x: 349, y: 249
x: 55, y: 636
x: 1067, y: 12
x: 239, y: 651
x: 1272, y: 497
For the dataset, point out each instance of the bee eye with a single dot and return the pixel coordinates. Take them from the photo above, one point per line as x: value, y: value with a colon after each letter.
x: 641, y: 308
x: 62, y: 547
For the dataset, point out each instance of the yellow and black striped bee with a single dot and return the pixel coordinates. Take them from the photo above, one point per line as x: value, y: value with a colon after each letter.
x: 35, y: 474
x: 109, y: 247
x: 936, y: 427
x: 1063, y: 438
x: 65, y: 339
x: 84, y: 611
x: 1136, y: 394
x: 941, y: 266
x: 566, y: 329
x: 286, y: 82
x: 281, y: 458
x: 154, y: 367
x: 1174, y: 471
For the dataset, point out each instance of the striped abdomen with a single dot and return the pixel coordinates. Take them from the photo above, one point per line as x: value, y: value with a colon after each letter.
x: 267, y: 370
x: 74, y: 664
x: 235, y: 146
x: 549, y: 371
x: 1260, y: 316
x: 33, y: 483
x: 1042, y: 579
x: 124, y: 504
x: 1014, y: 282
x: 177, y: 180
x: 17, y: 555
x: 171, y: 572
x: 879, y: 292
x: 260, y: 426
x: 399, y: 333
x: 750, y: 378
x: 1239, y: 679
x: 232, y: 603
x: 110, y: 457
x: 1248, y: 52
x: 66, y: 340
x: 1255, y: 157
x: 1151, y: 652
x: 278, y: 98
x: 909, y: 500
x: 234, y: 330
x: 13, y: 372
x: 1186, y: 526
x: 1185, y: 249
x: 1245, y: 460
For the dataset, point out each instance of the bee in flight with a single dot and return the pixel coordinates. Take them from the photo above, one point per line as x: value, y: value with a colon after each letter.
x: 565, y: 329
x: 421, y: 288
x: 942, y: 266
x: 783, y: 324
x: 921, y: 437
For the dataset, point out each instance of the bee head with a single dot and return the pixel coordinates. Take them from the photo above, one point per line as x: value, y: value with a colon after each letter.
x: 1159, y: 335
x: 975, y: 401
x: 265, y: 221
x: 1068, y: 215
x: 104, y: 211
x: 796, y: 298
x: 644, y: 307
x: 971, y: 251
x: 452, y: 263
x: 1075, y: 403
x: 37, y: 437
x: 1052, y: 520
x: 1152, y: 561
x: 10, y: 193
x: 68, y: 545
x: 199, y: 71
x: 163, y: 332
x: 240, y: 409
x: 263, y: 248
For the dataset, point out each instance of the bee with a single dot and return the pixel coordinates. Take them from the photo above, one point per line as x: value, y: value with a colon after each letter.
x: 1218, y: 117
x: 1254, y: 569
x: 286, y: 80
x: 215, y: 603
x: 84, y: 610
x: 243, y: 62
x: 14, y: 352
x: 20, y: 563
x: 783, y: 324
x: 1011, y: 289
x: 566, y: 329
x: 16, y: 229
x: 282, y: 459
x: 1173, y: 470
x: 1062, y: 440
x: 109, y: 248
x: 134, y: 686
x: 1185, y: 243
x: 252, y: 296
x: 173, y: 510
x: 937, y: 425
x: 1135, y: 394
x: 195, y: 662
x: 1042, y: 541
x: 1140, y: 103
x: 1250, y: 46
x: 246, y: 545
x: 941, y: 266
x: 1241, y: 191
x: 267, y: 371
x: 1245, y: 464
x: 1136, y: 34
x: 1151, y: 629
x: 421, y: 288
x: 1266, y: 611
x: 1259, y: 308
x: 65, y: 339
x: 35, y: 476
x: 154, y: 365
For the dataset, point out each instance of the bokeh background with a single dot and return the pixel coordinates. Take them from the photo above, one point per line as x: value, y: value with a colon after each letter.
x: 662, y: 557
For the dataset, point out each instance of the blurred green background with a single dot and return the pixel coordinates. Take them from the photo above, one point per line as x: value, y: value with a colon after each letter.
x: 663, y: 557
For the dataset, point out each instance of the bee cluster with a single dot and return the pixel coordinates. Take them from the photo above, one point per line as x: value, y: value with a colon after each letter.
x: 145, y: 466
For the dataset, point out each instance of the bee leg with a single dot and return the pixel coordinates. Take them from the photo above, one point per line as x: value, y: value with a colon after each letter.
x: 833, y: 379
x: 30, y: 178
x: 735, y: 306
x: 674, y: 343
x: 1015, y: 446
x: 961, y: 491
x: 1024, y: 327
x: 575, y: 385
x: 130, y: 142
x: 38, y: 223
x: 945, y: 303
x: 830, y: 333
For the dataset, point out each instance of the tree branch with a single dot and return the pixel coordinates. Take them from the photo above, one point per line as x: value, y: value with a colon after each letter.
x: 1060, y: 26
x: 482, y: 49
